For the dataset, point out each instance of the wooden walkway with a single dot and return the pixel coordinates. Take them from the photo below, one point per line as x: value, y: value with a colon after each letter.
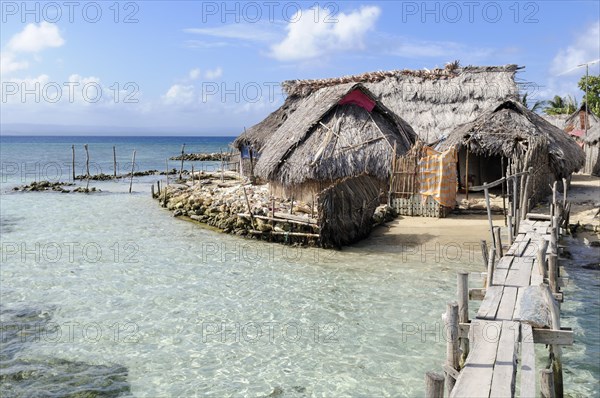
x: 500, y: 340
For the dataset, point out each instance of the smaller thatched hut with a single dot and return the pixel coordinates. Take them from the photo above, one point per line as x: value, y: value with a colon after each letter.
x: 585, y: 126
x: 511, y: 138
x: 334, y: 146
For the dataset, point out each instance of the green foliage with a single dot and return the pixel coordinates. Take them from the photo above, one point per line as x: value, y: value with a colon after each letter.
x: 561, y: 106
x: 593, y: 92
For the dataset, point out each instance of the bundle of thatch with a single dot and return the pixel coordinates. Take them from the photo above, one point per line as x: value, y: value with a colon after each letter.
x: 507, y: 130
x: 323, y: 140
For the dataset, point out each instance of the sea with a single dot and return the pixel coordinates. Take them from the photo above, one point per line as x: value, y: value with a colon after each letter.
x: 106, y: 294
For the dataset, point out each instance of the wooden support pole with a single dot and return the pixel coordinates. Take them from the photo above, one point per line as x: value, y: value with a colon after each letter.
x: 132, y: 169
x: 463, y: 310
x: 222, y: 165
x: 525, y: 196
x: 114, y: 161
x: 503, y: 190
x: 73, y: 161
x: 556, y: 229
x: 452, y: 349
x: 158, y: 186
x: 498, y: 239
x: 182, y: 157
x: 484, y: 253
x: 510, y: 230
x: 555, y: 349
x: 490, y: 268
x: 564, y: 181
x: 152, y: 191
x: 547, y: 383
x: 434, y: 385
x: 489, y: 213
x: 553, y: 272
x: 167, y: 170
x: 541, y: 259
x: 87, y: 167
x: 553, y: 238
x: 249, y: 209
x: 554, y: 193
x: 515, y: 203
x: 466, y: 178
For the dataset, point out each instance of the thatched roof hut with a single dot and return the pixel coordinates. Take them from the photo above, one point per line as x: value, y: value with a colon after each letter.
x: 576, y: 125
x: 520, y: 136
x: 577, y: 121
x: 433, y: 101
x: 332, y: 135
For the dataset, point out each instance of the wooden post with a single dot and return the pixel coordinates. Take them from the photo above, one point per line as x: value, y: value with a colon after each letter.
x: 434, y: 385
x: 556, y: 230
x: 553, y: 272
x: 182, y: 157
x: 158, y: 186
x: 292, y: 205
x: 525, y: 196
x: 249, y: 209
x: 490, y: 268
x: 541, y: 259
x: 554, y: 189
x: 87, y: 167
x: 564, y: 181
x: 132, y: 169
x: 466, y: 178
x: 452, y: 357
x: 222, y: 165
x: 273, y: 212
x: 393, y: 168
x: 114, y: 162
x: 73, y: 160
x: 167, y: 165
x: 515, y: 203
x: 192, y: 174
x: 498, y: 237
x: 503, y: 191
x: 555, y: 349
x: 463, y: 310
x: 484, y: 253
x: 152, y: 191
x: 489, y: 213
x: 547, y: 384
x: 510, y: 230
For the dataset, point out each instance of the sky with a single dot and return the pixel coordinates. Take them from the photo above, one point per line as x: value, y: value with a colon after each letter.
x: 214, y: 68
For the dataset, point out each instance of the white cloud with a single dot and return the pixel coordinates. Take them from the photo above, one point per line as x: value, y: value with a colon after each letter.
x: 194, y: 74
x: 213, y: 74
x: 307, y: 38
x: 408, y: 47
x: 179, y: 94
x: 34, y: 38
x: 586, y: 48
x: 9, y: 64
x: 246, y: 32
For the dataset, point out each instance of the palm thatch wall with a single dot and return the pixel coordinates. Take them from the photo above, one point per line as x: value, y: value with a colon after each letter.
x: 525, y: 139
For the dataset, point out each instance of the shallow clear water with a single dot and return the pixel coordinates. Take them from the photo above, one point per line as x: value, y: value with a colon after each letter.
x: 191, y: 312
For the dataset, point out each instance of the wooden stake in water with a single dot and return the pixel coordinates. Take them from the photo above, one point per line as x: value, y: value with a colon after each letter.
x: 132, y: 168
x: 182, y: 156
x: 114, y: 162
x: 87, y: 167
x: 73, y: 161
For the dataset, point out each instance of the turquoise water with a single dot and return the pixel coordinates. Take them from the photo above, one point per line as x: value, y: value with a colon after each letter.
x: 110, y: 290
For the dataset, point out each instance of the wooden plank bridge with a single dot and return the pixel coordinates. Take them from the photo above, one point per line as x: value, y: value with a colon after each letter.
x: 491, y: 355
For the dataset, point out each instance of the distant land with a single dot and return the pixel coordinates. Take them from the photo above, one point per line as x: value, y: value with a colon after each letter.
x: 50, y: 129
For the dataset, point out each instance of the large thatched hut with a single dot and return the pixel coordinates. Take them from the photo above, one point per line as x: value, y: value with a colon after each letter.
x: 511, y: 138
x: 585, y: 126
x: 433, y: 101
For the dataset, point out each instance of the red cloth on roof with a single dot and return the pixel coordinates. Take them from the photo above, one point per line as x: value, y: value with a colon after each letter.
x: 359, y: 98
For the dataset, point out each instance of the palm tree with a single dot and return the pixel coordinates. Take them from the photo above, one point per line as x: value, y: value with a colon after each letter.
x: 537, y: 106
x: 561, y: 106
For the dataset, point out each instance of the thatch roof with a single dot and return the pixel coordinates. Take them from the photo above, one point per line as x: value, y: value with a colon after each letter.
x: 573, y: 122
x: 324, y: 141
x: 433, y: 101
x: 506, y: 129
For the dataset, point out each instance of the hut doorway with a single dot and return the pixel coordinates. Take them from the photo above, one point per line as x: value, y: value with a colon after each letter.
x: 480, y: 169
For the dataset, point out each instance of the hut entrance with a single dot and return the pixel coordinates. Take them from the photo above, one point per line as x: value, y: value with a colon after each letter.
x: 474, y: 170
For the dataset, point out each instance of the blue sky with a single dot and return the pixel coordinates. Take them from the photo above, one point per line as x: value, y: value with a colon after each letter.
x: 212, y: 68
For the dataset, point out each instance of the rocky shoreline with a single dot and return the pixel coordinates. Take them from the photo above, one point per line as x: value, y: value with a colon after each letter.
x: 225, y: 206
x: 193, y: 157
x: 40, y: 186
